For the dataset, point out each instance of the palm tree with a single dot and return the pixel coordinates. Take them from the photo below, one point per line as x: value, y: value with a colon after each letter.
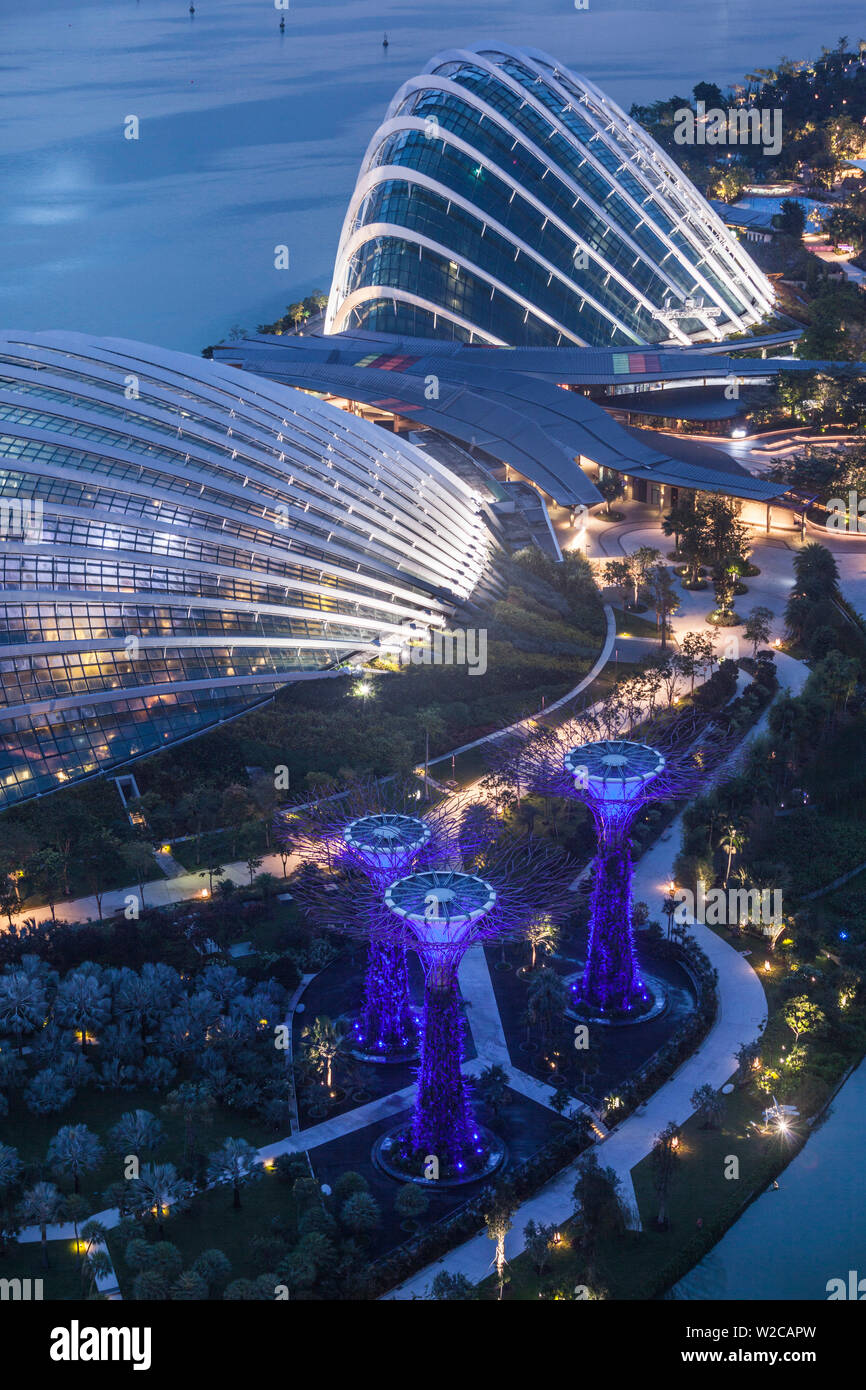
x: 732, y: 840
x: 75, y: 1150
x: 158, y: 1190
x: 237, y: 1162
x: 322, y: 1042
x: 664, y: 1162
x: 136, y: 1132
x: 23, y: 1005
x: 40, y: 1206
x: 542, y: 935
x: 546, y: 1003
x: 83, y: 1000
x: 193, y: 1101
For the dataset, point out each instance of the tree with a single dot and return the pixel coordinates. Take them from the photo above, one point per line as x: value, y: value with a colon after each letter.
x: 664, y: 599
x: 640, y: 565
x: 542, y: 935
x: 83, y: 1000
x: 249, y: 849
x: 194, y: 1102
x: 498, y: 1222
x: 802, y: 1016
x: 791, y: 218
x: 732, y: 840
x: 664, y: 1163
x: 546, y: 1003
x: 361, y: 1215
x: 136, y: 1132
x: 601, y: 1214
x: 610, y: 486
x: 758, y: 627
x: 158, y: 1191
x: 237, y: 1162
x: 75, y: 1150
x: 617, y: 573
x: 491, y: 1087
x: 189, y: 1287
x: 214, y: 1268
x: 46, y: 871
x: 237, y: 808
x: 452, y: 1288
x: 538, y: 1240
x: 23, y: 1005
x: 98, y: 854
x: 41, y: 1206
x: 322, y: 1042
x: 11, y: 1167
x: 432, y: 726
x: 411, y: 1203
x: 710, y: 1105
x: 137, y: 855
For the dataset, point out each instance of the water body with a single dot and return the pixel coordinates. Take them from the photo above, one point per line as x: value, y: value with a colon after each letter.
x: 788, y: 1244
x: 250, y: 138
x: 815, y: 211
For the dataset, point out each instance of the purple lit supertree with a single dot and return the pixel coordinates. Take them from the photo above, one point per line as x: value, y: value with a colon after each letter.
x: 380, y: 831
x: 615, y: 778
x: 441, y: 913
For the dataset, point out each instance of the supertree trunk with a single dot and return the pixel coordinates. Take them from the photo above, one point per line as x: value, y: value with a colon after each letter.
x: 442, y: 1124
x: 611, y: 980
x: 387, y: 1024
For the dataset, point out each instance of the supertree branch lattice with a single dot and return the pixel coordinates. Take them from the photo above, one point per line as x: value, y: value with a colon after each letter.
x: 441, y: 913
x: 615, y: 778
x: 380, y: 831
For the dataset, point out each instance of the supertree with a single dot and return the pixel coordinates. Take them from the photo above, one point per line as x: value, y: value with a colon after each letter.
x: 441, y: 913
x: 615, y: 778
x: 380, y: 831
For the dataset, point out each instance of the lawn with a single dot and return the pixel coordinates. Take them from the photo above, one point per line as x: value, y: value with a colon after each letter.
x: 99, y: 1110
x: 211, y: 1223
x: 62, y: 1278
x: 640, y: 1264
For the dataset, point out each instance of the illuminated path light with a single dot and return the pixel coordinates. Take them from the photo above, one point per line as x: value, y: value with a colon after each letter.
x: 612, y: 777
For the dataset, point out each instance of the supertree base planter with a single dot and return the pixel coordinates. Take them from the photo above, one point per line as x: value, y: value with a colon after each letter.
x: 396, y: 1154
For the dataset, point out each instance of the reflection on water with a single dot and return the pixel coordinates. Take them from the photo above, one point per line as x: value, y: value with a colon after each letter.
x: 251, y: 139
x: 789, y: 1243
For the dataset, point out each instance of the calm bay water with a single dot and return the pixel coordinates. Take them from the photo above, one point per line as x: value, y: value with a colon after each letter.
x: 250, y: 138
x: 789, y: 1243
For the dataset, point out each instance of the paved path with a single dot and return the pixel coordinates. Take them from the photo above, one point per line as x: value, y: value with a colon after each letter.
x: 740, y: 1018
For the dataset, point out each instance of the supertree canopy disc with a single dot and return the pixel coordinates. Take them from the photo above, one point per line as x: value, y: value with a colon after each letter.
x: 614, y: 769
x: 386, y: 843
x: 441, y: 906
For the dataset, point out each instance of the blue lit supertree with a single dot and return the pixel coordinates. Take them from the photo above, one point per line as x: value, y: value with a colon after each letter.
x: 615, y: 778
x: 379, y: 830
x: 441, y: 913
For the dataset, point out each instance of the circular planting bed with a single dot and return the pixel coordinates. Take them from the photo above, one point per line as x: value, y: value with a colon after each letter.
x: 653, y: 1006
x: 717, y: 619
x: 395, y: 1154
x: 361, y: 1053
